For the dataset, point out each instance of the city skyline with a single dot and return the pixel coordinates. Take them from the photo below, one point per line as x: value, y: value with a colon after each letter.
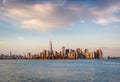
x: 28, y: 25
x: 63, y: 53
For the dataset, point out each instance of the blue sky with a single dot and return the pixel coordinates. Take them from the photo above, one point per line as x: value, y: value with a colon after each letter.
x: 28, y: 25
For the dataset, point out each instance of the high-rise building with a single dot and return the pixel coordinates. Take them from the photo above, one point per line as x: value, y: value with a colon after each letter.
x: 91, y: 55
x: 10, y: 53
x: 77, y: 53
x: 63, y: 53
x: 86, y: 53
x: 67, y: 51
x: 73, y: 54
x: 47, y: 53
x: 50, y: 46
x: 28, y: 56
x: 98, y: 54
x: 63, y: 48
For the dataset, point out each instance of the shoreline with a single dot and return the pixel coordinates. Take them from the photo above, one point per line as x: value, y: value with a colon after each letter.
x: 60, y: 59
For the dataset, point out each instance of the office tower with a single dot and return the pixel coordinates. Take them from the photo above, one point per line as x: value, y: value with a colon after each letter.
x: 99, y: 54
x: 10, y: 53
x: 91, y: 55
x: 77, y: 53
x: 81, y: 56
x: 55, y: 53
x: 86, y: 53
x: 70, y: 50
x: 69, y: 54
x: 63, y: 54
x: 50, y: 46
x: 47, y: 54
x: 63, y: 48
x: 67, y: 51
x: 44, y: 53
x: 73, y: 54
x: 41, y: 52
x: 95, y: 55
x: 29, y: 56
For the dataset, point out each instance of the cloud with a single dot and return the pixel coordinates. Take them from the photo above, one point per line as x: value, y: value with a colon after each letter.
x: 4, y: 2
x: 40, y: 16
x: 50, y: 16
x: 106, y: 15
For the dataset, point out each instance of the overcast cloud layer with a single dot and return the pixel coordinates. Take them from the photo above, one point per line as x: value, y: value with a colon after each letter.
x: 50, y: 16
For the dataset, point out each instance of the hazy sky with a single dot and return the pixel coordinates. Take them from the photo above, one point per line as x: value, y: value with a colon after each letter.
x: 29, y: 25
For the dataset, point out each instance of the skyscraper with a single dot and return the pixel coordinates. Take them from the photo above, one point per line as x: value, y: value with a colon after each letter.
x: 50, y: 46
x: 63, y: 48
x: 10, y: 53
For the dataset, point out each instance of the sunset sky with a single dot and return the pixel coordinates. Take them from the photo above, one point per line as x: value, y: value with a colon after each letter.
x: 29, y: 25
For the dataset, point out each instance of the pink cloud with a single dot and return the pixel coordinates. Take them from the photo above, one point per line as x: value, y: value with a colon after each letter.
x: 51, y: 16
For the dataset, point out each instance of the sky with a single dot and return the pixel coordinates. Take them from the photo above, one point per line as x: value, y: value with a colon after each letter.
x: 29, y: 25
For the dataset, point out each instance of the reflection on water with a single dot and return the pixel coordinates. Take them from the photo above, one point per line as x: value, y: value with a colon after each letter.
x: 59, y: 70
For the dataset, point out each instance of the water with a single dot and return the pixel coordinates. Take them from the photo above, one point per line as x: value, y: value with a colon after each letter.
x: 60, y: 70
